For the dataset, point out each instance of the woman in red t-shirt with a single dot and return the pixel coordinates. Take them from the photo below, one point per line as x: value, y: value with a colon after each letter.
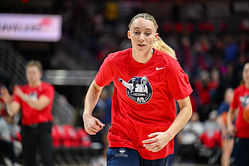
x: 241, y: 128
x: 35, y: 100
x: 146, y: 84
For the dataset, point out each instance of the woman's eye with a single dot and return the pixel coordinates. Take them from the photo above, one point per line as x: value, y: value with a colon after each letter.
x: 137, y: 33
x: 147, y: 34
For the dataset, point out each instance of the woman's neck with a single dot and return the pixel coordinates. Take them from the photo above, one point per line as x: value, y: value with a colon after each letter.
x: 34, y: 84
x: 142, y: 57
x: 247, y: 85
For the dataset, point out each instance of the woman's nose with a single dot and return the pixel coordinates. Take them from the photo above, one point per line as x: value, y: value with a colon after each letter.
x: 141, y: 37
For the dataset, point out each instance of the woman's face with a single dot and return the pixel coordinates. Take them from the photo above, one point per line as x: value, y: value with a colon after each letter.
x: 33, y: 74
x: 246, y: 73
x: 142, y: 34
x: 229, y: 95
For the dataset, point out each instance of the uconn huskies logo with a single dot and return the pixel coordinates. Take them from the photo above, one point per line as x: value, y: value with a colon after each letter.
x: 138, y: 89
x: 244, y: 100
x: 33, y: 96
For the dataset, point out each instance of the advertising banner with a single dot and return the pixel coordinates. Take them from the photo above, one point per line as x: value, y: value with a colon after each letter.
x: 30, y: 27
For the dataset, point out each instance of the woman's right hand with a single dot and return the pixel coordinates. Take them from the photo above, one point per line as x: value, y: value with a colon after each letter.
x: 231, y: 129
x: 5, y: 95
x: 92, y: 125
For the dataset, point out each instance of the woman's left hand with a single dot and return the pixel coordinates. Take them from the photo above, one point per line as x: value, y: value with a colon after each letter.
x: 156, y: 142
x: 18, y: 91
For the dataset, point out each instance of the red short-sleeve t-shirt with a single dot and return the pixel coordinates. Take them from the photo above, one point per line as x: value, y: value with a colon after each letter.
x: 143, y: 99
x: 30, y: 115
x: 240, y: 100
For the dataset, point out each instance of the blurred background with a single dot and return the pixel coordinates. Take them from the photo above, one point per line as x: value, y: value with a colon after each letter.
x: 72, y: 37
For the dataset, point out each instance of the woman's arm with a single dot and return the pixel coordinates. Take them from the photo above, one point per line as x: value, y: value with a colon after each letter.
x: 11, y: 106
x: 39, y: 104
x: 182, y: 118
x: 160, y: 139
x: 230, y: 117
x: 222, y: 125
x: 92, y: 125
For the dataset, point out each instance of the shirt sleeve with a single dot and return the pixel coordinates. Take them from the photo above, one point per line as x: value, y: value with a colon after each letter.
x: 49, y: 92
x: 178, y: 81
x: 222, y: 108
x: 105, y: 74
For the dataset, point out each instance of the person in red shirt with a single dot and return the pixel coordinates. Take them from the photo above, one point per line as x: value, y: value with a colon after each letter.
x: 241, y: 128
x: 147, y: 82
x: 35, y: 99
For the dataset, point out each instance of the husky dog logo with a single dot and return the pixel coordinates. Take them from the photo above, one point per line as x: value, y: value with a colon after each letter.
x: 244, y: 100
x: 34, y: 96
x: 138, y: 89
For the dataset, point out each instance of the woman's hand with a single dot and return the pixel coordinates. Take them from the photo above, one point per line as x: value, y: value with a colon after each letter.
x: 5, y: 95
x: 231, y: 129
x: 18, y: 91
x: 92, y: 125
x: 156, y: 142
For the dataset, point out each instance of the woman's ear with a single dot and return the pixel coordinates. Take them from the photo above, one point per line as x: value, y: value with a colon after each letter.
x: 129, y: 35
x: 156, y: 36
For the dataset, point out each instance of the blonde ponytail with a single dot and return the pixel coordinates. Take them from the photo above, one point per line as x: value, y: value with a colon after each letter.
x: 162, y: 46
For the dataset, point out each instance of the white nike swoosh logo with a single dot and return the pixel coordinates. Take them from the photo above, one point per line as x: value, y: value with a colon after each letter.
x: 159, y: 68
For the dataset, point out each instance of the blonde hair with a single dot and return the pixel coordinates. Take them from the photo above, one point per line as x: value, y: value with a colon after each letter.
x: 159, y: 44
x: 35, y: 63
x: 145, y: 16
x: 162, y: 46
x: 243, y: 81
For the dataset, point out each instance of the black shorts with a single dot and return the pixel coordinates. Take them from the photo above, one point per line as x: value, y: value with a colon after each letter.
x: 241, y: 151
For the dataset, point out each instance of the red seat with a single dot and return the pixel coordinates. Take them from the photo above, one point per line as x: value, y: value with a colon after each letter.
x: 190, y: 27
x: 167, y: 27
x: 70, y: 139
x: 202, y: 26
x: 58, y: 135
x: 209, y: 27
x: 244, y: 25
x: 83, y: 137
x: 223, y: 26
x: 179, y: 27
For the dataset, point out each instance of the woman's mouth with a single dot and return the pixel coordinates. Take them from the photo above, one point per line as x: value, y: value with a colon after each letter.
x: 141, y: 45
